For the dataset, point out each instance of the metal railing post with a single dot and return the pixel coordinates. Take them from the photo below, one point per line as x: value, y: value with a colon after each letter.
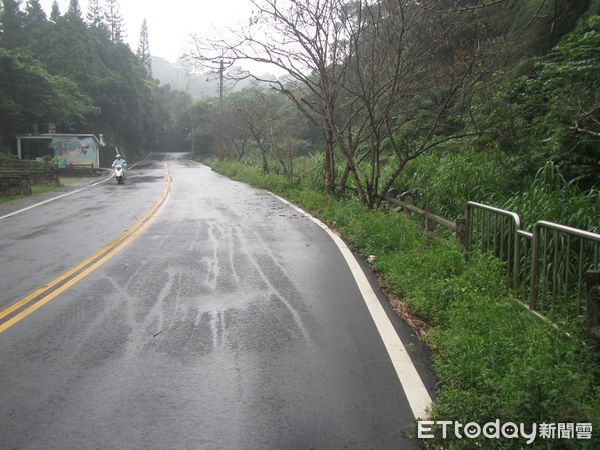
x: 516, y: 264
x: 467, y: 227
x: 462, y: 233
x: 592, y: 281
x: 535, y: 269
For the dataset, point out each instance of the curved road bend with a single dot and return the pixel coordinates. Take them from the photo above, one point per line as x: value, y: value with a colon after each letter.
x: 231, y: 322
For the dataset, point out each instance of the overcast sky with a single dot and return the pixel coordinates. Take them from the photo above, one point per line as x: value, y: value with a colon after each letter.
x: 170, y: 22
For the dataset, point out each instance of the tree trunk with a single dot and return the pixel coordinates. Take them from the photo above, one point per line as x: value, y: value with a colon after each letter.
x: 329, y: 187
x: 265, y: 162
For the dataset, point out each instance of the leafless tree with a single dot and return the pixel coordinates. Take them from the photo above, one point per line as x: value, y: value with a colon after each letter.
x: 263, y: 116
x: 354, y: 70
x: 395, y: 97
x: 302, y: 37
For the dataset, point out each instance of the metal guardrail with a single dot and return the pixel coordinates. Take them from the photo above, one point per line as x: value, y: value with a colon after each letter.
x: 546, y: 267
x: 560, y: 258
x: 549, y: 269
x: 525, y: 238
x: 497, y: 230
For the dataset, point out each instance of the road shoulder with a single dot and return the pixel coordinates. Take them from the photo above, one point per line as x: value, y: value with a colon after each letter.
x: 13, y: 206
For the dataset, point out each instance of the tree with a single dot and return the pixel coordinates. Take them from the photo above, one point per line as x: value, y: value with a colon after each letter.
x: 73, y: 13
x: 257, y: 114
x: 54, y: 12
x: 11, y: 24
x: 35, y: 24
x: 95, y: 15
x: 30, y: 95
x: 356, y: 70
x: 270, y: 121
x: 114, y: 21
x: 198, y: 121
x: 143, y: 51
x: 75, y: 76
x: 397, y: 101
x: 34, y: 13
x: 553, y: 112
x: 303, y: 38
x: 237, y: 134
x: 170, y: 123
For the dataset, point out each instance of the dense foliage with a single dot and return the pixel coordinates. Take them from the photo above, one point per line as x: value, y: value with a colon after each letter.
x: 81, y: 77
x: 510, y: 93
x: 389, y: 84
x: 539, y: 121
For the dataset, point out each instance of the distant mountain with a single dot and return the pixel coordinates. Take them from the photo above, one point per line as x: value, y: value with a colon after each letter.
x: 197, y: 85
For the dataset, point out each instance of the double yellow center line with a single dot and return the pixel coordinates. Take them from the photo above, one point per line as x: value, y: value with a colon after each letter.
x: 24, y: 307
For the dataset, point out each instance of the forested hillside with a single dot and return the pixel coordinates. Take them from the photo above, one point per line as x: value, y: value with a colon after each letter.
x: 537, y: 150
x: 465, y: 100
x: 74, y: 71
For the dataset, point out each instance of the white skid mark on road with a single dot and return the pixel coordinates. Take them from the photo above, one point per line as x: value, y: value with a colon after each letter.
x: 276, y: 293
x: 232, y: 255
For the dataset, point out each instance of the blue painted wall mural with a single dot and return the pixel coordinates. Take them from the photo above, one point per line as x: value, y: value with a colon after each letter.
x: 76, y: 150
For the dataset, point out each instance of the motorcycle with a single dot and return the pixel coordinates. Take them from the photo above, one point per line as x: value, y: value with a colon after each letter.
x: 406, y: 196
x: 120, y: 174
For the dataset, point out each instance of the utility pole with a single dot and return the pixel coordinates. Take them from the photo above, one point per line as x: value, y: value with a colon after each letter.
x: 221, y: 112
x: 193, y: 150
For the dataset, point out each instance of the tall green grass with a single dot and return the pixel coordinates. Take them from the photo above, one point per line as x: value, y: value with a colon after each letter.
x: 451, y: 179
x: 550, y: 197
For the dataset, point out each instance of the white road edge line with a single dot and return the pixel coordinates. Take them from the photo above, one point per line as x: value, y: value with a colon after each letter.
x: 416, y: 392
x: 200, y: 165
x: 14, y: 213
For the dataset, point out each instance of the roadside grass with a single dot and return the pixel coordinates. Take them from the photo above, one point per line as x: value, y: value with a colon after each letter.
x: 42, y: 188
x: 37, y: 189
x: 67, y: 181
x: 9, y: 198
x: 494, y: 360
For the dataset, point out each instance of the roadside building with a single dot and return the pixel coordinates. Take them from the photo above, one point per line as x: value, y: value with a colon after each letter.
x: 66, y: 149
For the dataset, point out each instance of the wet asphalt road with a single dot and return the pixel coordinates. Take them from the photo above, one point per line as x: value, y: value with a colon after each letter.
x: 231, y: 322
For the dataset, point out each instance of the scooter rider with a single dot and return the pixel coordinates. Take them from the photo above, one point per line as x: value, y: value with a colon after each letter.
x: 120, y: 162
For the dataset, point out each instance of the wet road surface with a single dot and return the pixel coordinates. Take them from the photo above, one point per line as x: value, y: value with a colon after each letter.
x: 231, y: 322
